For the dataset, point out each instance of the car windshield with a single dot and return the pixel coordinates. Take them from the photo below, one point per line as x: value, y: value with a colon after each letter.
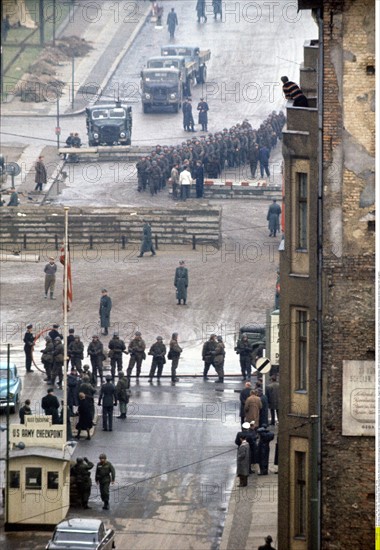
x: 167, y: 63
x: 100, y: 113
x: 79, y: 537
x: 117, y: 113
x: 186, y: 52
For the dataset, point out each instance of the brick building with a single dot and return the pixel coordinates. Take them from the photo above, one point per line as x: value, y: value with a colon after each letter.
x: 327, y: 319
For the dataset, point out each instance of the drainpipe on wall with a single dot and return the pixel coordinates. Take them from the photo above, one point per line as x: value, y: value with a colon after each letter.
x: 316, y: 419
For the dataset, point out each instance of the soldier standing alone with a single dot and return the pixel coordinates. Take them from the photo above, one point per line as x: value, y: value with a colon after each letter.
x: 50, y: 274
x: 181, y: 282
x: 105, y: 311
x: 158, y: 350
x: 104, y: 476
x: 41, y: 174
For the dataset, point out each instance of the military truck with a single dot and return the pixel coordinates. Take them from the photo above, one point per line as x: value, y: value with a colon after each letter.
x: 179, y: 62
x: 109, y: 124
x: 161, y: 88
x: 195, y: 59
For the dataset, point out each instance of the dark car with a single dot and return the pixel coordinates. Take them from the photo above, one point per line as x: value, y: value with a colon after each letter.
x: 109, y: 124
x: 15, y: 385
x: 80, y: 533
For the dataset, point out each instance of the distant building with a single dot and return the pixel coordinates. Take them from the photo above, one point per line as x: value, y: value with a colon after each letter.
x: 327, y: 316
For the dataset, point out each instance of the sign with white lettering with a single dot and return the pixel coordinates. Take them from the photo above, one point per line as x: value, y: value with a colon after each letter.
x: 359, y: 404
x: 39, y: 431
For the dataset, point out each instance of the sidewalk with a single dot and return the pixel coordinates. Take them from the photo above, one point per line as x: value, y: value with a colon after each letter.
x: 252, y: 511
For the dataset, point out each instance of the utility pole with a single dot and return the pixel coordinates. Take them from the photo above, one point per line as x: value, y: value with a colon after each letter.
x: 42, y: 22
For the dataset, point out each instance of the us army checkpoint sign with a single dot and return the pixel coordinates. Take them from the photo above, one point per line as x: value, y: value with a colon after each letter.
x: 38, y: 431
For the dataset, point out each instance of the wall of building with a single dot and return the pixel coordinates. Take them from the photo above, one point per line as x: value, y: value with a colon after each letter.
x: 348, y: 463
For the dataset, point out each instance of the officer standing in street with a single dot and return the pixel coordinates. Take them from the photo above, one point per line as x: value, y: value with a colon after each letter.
x: 28, y: 347
x: 82, y: 475
x: 181, y: 282
x: 50, y: 271
x: 116, y: 348
x: 136, y: 349
x: 108, y: 399
x: 104, y: 476
x: 105, y: 311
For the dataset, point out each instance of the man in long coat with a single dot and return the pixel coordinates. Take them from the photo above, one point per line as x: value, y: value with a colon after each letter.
x: 202, y: 114
x: 201, y: 10
x: 105, y: 311
x: 172, y: 22
x: 252, y: 408
x: 41, y: 174
x: 147, y: 244
x: 272, y: 393
x: 273, y: 218
x: 181, y: 282
x: 243, y: 461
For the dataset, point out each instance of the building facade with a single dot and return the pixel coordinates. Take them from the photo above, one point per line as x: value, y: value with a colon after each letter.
x: 327, y: 318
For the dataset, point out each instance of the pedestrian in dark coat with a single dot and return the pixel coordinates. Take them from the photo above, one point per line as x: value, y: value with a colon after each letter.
x: 146, y: 243
x: 264, y: 160
x: 188, y: 120
x: 104, y: 476
x: 85, y: 415
x: 264, y: 407
x: 273, y: 218
x: 82, y: 475
x: 268, y: 544
x: 272, y: 392
x: 105, y: 311
x: 172, y: 22
x: 217, y: 5
x: 243, y: 454
x: 203, y: 114
x: 24, y: 411
x: 244, y: 394
x: 252, y: 441
x: 158, y: 351
x: 199, y: 175
x: 201, y: 10
x: 28, y: 347
x: 89, y: 391
x: 108, y: 400
x: 41, y: 174
x: 242, y: 432
x: 72, y: 389
x: 181, y: 282
x: 265, y: 437
x: 50, y: 405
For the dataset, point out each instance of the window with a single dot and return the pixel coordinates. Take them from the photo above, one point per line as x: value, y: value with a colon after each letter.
x: 302, y: 206
x: 52, y: 480
x: 300, y: 515
x: 33, y: 478
x: 301, y: 349
x: 14, y: 479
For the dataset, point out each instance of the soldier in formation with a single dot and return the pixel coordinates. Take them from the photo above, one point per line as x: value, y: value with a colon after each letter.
x: 116, y: 348
x: 244, y: 350
x: 231, y: 148
x: 208, y: 354
x: 96, y: 353
x: 136, y: 350
x: 122, y: 395
x: 158, y: 351
x: 174, y: 354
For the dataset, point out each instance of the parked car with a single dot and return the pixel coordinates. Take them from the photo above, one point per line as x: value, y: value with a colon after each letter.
x: 15, y: 386
x: 80, y: 533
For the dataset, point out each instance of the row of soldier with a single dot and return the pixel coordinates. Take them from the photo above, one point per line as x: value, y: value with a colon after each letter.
x: 234, y: 148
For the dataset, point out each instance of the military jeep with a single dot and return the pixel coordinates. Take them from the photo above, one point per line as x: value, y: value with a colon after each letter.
x: 109, y: 124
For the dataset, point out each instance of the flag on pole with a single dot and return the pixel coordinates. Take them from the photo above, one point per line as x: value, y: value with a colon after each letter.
x: 69, y: 278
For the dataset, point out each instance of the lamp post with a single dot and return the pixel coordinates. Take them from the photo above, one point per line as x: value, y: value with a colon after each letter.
x: 58, y: 128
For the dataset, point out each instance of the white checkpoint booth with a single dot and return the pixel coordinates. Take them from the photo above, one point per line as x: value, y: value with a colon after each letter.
x: 38, y: 494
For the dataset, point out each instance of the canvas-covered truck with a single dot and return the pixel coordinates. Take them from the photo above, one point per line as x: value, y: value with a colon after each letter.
x: 109, y: 124
x: 187, y: 68
x: 161, y: 88
x: 195, y: 59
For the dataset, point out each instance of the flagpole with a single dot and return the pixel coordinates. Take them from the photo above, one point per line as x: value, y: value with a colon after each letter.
x: 65, y: 245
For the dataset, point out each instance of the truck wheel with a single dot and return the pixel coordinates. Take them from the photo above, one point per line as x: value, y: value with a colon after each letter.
x: 146, y: 108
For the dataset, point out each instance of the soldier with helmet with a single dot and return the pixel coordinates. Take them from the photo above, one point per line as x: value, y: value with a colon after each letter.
x: 175, y: 351
x: 208, y: 350
x: 136, y: 349
x: 58, y: 358
x: 158, y: 351
x: 116, y: 348
x: 82, y: 476
x: 75, y: 351
x: 47, y: 358
x: 96, y: 353
x: 244, y: 350
x: 219, y: 355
